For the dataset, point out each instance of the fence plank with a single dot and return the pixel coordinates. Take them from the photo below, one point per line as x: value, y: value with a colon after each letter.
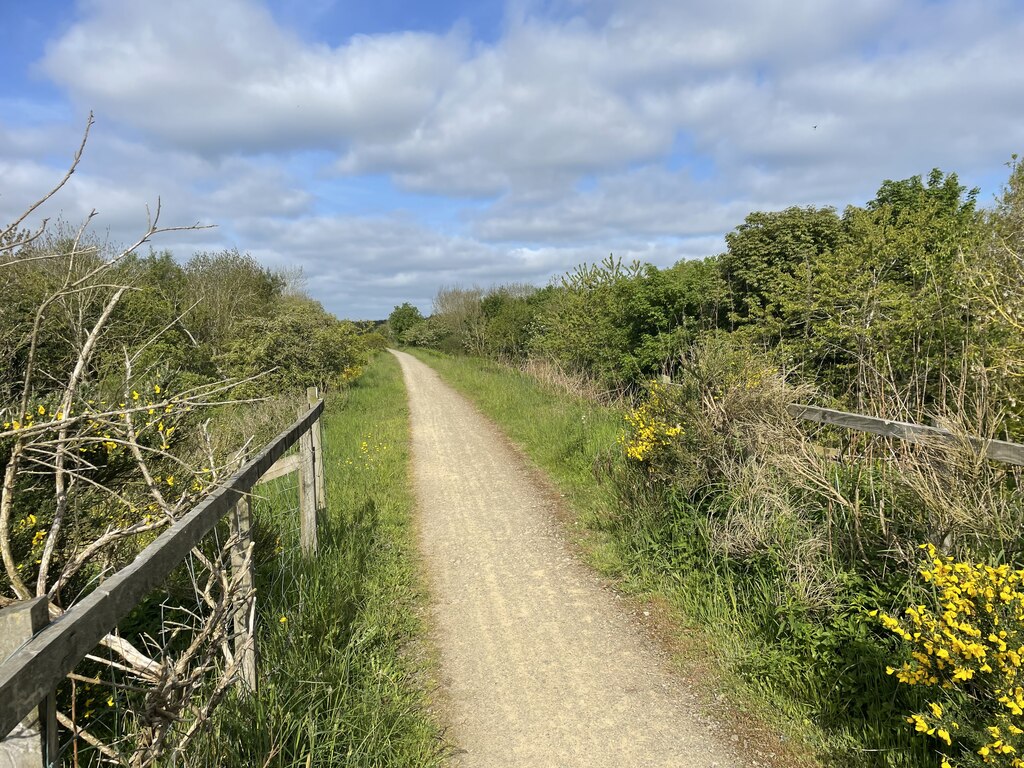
x: 283, y: 466
x: 245, y: 599
x: 39, y: 666
x: 998, y: 450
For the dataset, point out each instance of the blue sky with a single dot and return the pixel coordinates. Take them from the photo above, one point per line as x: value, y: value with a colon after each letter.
x: 390, y: 148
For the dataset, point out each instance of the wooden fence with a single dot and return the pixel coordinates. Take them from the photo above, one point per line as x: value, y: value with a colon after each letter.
x: 997, y: 450
x: 37, y: 654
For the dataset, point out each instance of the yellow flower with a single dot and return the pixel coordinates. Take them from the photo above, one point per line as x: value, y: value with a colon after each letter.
x: 283, y: 620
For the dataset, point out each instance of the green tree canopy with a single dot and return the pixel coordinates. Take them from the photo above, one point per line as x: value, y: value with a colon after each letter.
x: 401, y: 319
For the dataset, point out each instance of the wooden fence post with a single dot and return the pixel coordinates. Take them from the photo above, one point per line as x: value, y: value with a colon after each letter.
x: 240, y: 521
x: 307, y: 492
x: 312, y: 395
x: 33, y: 743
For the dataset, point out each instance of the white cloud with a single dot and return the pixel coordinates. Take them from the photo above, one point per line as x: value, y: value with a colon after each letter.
x: 224, y: 77
x: 363, y: 266
x: 646, y: 202
x: 644, y: 127
x: 573, y: 89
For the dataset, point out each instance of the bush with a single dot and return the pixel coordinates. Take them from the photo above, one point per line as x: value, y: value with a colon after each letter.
x: 967, y: 647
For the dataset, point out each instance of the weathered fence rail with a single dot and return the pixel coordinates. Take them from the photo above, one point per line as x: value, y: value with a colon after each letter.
x: 998, y: 450
x: 37, y: 664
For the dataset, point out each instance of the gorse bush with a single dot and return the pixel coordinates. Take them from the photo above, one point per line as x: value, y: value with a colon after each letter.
x: 113, y: 367
x: 789, y: 536
x: 648, y: 433
x: 966, y: 646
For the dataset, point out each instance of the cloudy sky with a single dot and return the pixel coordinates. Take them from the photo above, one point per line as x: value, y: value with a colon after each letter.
x: 393, y: 146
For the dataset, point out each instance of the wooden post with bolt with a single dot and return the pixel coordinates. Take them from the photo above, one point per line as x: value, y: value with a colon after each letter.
x: 312, y: 396
x: 33, y: 742
x: 240, y: 520
x: 307, y: 492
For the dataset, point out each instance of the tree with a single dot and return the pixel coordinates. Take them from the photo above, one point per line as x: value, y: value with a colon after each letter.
x: 769, y: 265
x: 224, y: 289
x: 401, y: 319
x: 458, y: 315
x: 509, y: 312
x: 585, y: 324
x: 300, y: 345
x: 887, y: 314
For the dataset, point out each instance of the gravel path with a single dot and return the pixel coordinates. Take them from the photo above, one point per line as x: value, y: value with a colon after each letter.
x: 540, y: 666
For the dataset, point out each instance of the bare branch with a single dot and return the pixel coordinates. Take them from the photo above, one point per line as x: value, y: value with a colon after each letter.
x: 74, y: 165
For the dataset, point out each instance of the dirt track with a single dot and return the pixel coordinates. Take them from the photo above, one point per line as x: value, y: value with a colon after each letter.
x: 540, y: 666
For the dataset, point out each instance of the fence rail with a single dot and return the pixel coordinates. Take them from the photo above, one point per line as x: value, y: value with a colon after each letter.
x: 29, y: 675
x: 998, y: 450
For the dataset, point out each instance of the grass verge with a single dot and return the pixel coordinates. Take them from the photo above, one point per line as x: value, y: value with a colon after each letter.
x: 340, y: 679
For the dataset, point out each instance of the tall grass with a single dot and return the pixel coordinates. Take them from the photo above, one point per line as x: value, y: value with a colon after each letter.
x: 341, y: 679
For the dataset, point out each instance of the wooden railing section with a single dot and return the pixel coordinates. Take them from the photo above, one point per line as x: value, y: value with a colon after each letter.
x: 36, y: 654
x: 997, y: 450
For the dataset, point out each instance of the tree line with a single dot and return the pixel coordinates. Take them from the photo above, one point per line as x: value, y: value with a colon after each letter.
x: 906, y: 304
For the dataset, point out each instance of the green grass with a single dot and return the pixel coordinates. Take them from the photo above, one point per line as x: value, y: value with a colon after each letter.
x: 342, y: 675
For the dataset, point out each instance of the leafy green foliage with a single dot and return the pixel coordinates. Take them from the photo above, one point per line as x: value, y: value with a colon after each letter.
x: 401, y: 320
x: 300, y: 346
x: 769, y: 266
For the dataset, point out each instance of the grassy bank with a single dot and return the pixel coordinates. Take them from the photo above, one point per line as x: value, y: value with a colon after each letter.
x: 341, y: 678
x: 807, y: 674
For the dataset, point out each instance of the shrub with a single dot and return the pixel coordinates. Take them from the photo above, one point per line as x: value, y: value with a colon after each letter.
x: 967, y: 647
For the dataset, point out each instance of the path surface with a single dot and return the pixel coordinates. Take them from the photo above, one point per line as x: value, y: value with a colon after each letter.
x: 540, y: 666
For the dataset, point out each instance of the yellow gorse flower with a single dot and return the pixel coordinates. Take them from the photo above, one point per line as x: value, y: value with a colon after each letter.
x: 646, y: 431
x: 972, y: 635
